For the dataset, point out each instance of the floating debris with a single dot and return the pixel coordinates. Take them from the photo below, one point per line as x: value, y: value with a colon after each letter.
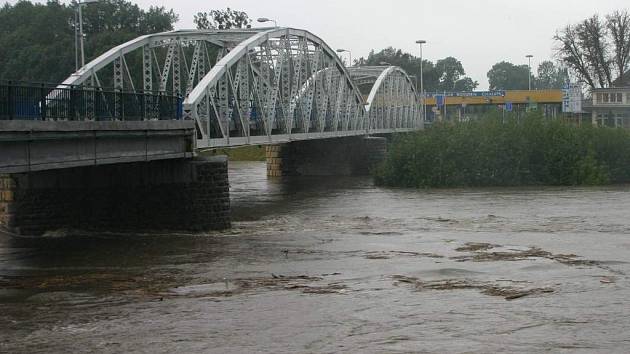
x: 486, y: 288
x: 376, y: 256
x: 479, y: 255
x: 274, y: 282
x: 474, y: 247
x: 390, y: 254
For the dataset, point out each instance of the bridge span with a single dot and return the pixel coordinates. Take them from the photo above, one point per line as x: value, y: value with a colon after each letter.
x: 260, y: 86
x: 95, y: 150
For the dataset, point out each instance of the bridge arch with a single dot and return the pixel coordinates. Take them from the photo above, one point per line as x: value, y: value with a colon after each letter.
x: 392, y: 101
x: 257, y: 86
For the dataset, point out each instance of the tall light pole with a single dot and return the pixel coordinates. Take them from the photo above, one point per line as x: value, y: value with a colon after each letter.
x: 264, y: 19
x: 80, y: 6
x: 422, y: 95
x: 76, y: 41
x: 349, y: 52
x: 529, y: 69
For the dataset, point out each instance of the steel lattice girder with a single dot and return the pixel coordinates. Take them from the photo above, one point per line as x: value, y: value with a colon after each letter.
x: 267, y: 85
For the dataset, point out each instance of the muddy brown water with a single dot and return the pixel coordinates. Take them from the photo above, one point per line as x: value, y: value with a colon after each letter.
x: 337, y: 265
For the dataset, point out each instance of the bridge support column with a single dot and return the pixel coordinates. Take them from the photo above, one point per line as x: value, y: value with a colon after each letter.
x: 167, y: 195
x: 326, y: 157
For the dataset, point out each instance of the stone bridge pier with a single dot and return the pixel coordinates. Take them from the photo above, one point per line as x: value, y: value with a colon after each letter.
x: 162, y: 195
x: 326, y: 157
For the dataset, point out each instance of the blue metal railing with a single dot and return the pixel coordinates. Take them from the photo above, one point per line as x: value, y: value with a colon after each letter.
x: 28, y: 101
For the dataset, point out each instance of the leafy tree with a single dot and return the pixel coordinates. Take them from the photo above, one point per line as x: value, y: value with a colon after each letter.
x: 465, y: 84
x: 222, y: 19
x: 446, y: 74
x: 550, y: 76
x: 507, y: 76
x: 452, y: 76
x: 597, y: 49
x: 37, y: 40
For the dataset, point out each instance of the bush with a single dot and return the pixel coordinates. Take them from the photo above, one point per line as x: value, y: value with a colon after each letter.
x: 490, y: 152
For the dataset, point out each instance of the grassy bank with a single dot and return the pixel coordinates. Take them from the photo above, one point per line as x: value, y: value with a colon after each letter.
x: 488, y: 152
x: 243, y: 153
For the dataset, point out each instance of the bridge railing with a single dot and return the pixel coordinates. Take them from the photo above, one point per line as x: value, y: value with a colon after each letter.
x: 28, y: 101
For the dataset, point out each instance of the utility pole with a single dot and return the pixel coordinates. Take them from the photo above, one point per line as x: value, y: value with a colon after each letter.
x: 422, y: 95
x: 529, y: 74
x: 80, y: 6
x: 76, y: 39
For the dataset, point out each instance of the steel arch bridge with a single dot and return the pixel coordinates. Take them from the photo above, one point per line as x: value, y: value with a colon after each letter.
x: 259, y: 86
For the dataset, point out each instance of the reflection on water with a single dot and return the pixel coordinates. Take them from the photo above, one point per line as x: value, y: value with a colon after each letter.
x: 336, y: 264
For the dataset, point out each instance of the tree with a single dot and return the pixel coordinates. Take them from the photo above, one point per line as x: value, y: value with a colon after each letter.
x: 596, y: 49
x: 507, y: 76
x: 618, y: 24
x: 465, y: 84
x: 452, y: 77
x: 37, y: 40
x: 446, y: 74
x: 222, y: 19
x: 550, y: 76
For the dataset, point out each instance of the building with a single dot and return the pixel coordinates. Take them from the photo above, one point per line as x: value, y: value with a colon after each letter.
x: 467, y: 105
x: 610, y: 107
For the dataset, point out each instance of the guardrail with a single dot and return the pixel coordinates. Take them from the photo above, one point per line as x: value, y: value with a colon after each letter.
x: 28, y: 101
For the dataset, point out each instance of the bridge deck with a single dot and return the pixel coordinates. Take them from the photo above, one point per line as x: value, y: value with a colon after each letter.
x: 41, y: 145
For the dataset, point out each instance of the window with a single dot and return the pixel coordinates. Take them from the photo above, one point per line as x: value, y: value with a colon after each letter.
x: 599, y: 97
x: 619, y: 98
x: 606, y: 98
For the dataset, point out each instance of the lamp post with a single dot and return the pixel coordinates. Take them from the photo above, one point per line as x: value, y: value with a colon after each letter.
x: 79, y: 7
x: 349, y: 53
x: 422, y: 95
x: 529, y: 71
x: 264, y: 19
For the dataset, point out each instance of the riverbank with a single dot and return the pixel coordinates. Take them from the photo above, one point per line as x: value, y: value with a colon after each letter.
x: 491, y: 152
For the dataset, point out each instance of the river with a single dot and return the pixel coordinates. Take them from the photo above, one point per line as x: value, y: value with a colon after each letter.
x: 337, y: 265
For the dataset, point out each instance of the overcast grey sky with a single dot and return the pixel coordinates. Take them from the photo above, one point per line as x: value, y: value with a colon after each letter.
x: 477, y: 32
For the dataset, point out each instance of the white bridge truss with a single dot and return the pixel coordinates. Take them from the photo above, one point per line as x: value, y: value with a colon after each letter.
x: 259, y: 86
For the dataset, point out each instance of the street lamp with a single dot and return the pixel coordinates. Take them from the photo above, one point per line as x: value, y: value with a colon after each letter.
x: 529, y: 69
x: 79, y: 7
x: 264, y: 19
x: 349, y: 52
x: 422, y: 95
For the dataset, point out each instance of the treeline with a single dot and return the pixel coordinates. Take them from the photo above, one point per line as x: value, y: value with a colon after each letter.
x: 448, y: 74
x: 37, y: 40
x: 490, y: 152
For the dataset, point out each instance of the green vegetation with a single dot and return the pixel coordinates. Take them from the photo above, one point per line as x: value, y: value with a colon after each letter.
x: 507, y: 76
x: 243, y: 153
x: 37, y: 39
x: 445, y: 74
x: 488, y: 152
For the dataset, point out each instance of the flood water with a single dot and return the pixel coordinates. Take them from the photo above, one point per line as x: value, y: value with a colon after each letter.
x: 337, y: 265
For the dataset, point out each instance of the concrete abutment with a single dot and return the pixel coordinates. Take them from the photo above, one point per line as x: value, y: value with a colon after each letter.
x: 173, y: 195
x: 326, y: 157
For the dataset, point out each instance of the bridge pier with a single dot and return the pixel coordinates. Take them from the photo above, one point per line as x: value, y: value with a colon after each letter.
x: 326, y: 157
x: 177, y: 195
